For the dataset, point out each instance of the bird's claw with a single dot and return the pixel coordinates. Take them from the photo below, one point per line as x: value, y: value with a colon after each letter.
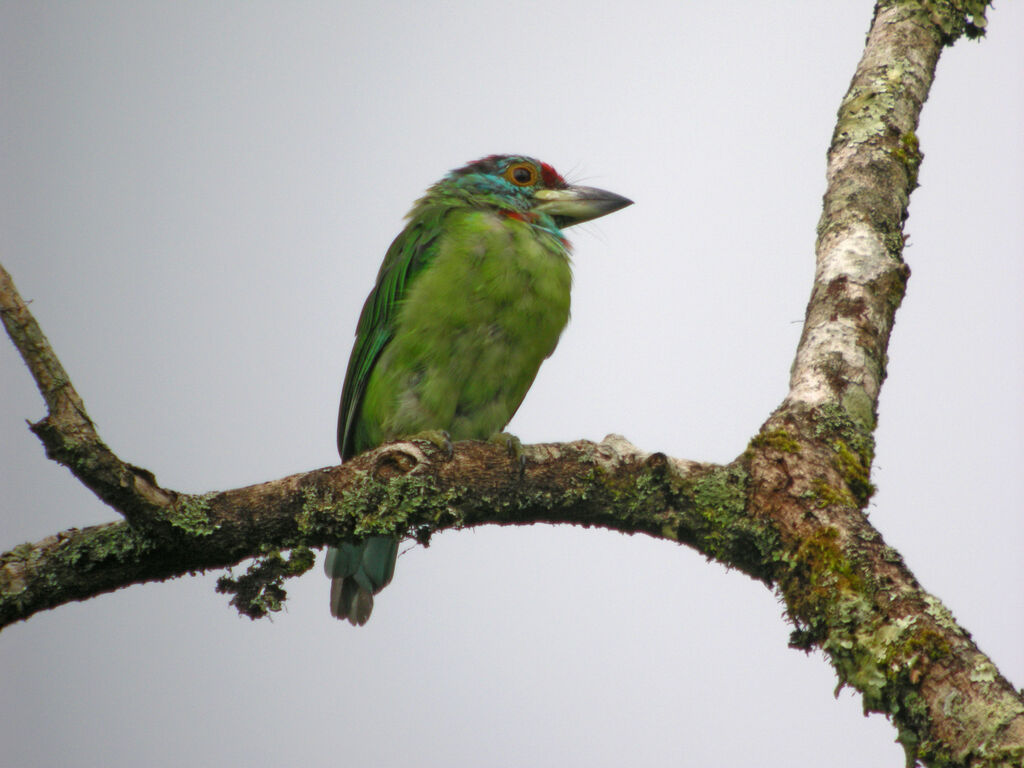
x: 513, y: 446
x: 439, y: 439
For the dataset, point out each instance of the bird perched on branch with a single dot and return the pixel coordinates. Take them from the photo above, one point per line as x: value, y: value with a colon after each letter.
x: 471, y: 298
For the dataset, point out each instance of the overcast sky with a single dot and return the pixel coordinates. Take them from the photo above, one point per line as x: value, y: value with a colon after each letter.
x: 196, y: 198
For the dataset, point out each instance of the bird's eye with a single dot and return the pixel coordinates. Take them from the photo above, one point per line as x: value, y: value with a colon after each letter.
x: 521, y: 174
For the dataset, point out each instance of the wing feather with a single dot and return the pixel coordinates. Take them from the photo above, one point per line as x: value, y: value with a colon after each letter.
x: 410, y: 252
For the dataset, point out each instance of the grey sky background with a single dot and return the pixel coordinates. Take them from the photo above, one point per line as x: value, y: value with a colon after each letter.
x: 196, y: 198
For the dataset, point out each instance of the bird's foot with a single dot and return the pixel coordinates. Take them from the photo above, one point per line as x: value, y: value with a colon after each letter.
x: 437, y: 438
x: 513, y: 446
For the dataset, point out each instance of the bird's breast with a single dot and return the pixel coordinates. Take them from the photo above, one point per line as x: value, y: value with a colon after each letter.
x: 473, y: 330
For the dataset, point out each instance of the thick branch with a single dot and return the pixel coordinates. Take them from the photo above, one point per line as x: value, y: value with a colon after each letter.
x: 847, y: 592
x: 402, y: 489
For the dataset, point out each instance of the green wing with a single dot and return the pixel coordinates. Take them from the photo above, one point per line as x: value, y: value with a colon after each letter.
x: 410, y: 252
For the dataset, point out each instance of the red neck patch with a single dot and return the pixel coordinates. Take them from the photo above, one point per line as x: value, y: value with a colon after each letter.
x: 525, y: 216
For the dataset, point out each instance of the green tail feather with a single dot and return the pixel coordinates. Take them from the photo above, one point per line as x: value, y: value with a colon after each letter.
x: 358, y: 572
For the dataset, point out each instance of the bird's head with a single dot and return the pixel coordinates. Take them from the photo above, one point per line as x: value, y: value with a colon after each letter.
x: 527, y: 189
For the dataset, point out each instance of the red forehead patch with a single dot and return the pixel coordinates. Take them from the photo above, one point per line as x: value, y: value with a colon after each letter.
x: 551, y: 176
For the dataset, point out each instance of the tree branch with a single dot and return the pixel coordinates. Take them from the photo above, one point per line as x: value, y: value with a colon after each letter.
x: 788, y: 511
x: 409, y: 489
x: 67, y: 432
x: 846, y: 591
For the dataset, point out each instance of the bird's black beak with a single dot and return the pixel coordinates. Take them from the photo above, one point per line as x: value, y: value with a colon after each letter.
x: 573, y: 205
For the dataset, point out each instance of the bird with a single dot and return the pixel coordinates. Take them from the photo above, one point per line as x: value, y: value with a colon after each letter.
x: 471, y: 298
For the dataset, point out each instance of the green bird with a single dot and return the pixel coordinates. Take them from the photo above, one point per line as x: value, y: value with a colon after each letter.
x: 471, y: 298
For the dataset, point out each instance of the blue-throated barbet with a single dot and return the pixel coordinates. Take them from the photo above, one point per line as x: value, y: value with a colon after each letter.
x: 471, y: 298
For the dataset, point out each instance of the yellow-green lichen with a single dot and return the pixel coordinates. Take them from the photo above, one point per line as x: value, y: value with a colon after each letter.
x: 925, y: 643
x: 822, y: 589
x: 777, y: 439
x: 24, y: 553
x: 643, y: 499
x: 708, y: 509
x: 890, y: 555
x: 984, y: 672
x: 833, y: 420
x: 941, y: 614
x: 882, y: 658
x: 260, y: 590
x: 831, y: 605
x: 953, y: 17
x: 722, y: 491
x: 370, y: 507
x: 953, y: 704
x: 854, y: 446
x: 858, y: 406
x: 862, y: 113
x: 120, y: 543
x: 632, y: 495
x: 191, y: 514
x: 56, y: 566
x: 908, y: 152
x: 857, y: 476
x: 990, y: 715
x: 825, y: 495
x: 317, y: 507
x: 894, y: 242
x: 13, y: 567
x: 885, y: 660
x: 720, y: 499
